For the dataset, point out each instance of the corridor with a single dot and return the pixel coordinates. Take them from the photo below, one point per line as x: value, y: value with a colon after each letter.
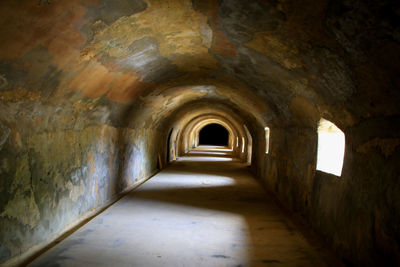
x: 203, y: 210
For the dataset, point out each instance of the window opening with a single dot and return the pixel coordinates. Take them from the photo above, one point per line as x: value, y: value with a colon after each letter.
x: 266, y: 140
x: 331, y: 145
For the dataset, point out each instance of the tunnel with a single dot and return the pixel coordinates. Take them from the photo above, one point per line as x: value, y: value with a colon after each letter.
x: 213, y: 134
x: 105, y: 105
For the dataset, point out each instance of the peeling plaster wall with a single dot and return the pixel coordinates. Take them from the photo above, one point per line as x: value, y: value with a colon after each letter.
x: 51, y: 180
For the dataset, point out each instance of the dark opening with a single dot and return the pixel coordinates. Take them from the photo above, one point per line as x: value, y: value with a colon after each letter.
x: 214, y: 134
x: 169, y: 146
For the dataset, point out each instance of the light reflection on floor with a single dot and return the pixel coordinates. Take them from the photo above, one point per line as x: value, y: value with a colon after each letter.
x: 209, y: 153
x: 181, y: 179
x: 199, y: 211
x: 205, y: 159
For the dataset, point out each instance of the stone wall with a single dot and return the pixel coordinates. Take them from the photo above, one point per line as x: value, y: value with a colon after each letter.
x: 51, y: 181
x: 356, y: 213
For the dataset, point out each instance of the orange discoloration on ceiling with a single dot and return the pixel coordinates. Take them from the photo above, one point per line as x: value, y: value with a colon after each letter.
x: 67, y: 119
x: 220, y: 42
x: 52, y: 26
x: 222, y: 45
x: 94, y: 80
x: 126, y: 88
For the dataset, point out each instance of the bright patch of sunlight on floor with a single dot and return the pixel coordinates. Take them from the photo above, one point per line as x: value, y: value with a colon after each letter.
x: 214, y: 148
x: 209, y: 159
x: 214, y: 153
x: 190, y: 180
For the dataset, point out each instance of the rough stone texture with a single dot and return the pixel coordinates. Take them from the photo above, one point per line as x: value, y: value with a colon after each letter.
x: 358, y: 212
x: 61, y: 176
x: 89, y: 91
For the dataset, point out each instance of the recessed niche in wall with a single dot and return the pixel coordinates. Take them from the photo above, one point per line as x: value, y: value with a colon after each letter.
x: 266, y: 140
x: 331, y: 143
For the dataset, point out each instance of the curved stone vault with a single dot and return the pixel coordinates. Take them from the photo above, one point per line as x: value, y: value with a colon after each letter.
x: 91, y: 89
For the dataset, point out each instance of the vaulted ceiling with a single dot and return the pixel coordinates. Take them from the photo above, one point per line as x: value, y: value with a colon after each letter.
x: 283, y: 62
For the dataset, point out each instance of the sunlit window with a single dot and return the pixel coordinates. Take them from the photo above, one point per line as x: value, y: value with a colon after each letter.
x: 242, y: 144
x: 237, y: 141
x: 266, y: 140
x: 331, y: 143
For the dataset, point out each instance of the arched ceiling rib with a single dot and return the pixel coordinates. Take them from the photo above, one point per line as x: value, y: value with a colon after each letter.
x: 192, y: 128
x: 197, y: 110
x: 193, y: 133
x: 188, y: 124
x: 163, y: 104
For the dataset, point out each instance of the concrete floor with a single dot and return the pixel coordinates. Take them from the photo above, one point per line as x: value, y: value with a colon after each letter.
x: 200, y: 211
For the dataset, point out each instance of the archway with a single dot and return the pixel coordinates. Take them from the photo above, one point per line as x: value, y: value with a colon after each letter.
x: 214, y: 134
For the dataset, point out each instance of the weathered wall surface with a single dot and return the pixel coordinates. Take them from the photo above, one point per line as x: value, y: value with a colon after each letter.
x: 356, y: 213
x: 52, y: 179
x: 88, y: 89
